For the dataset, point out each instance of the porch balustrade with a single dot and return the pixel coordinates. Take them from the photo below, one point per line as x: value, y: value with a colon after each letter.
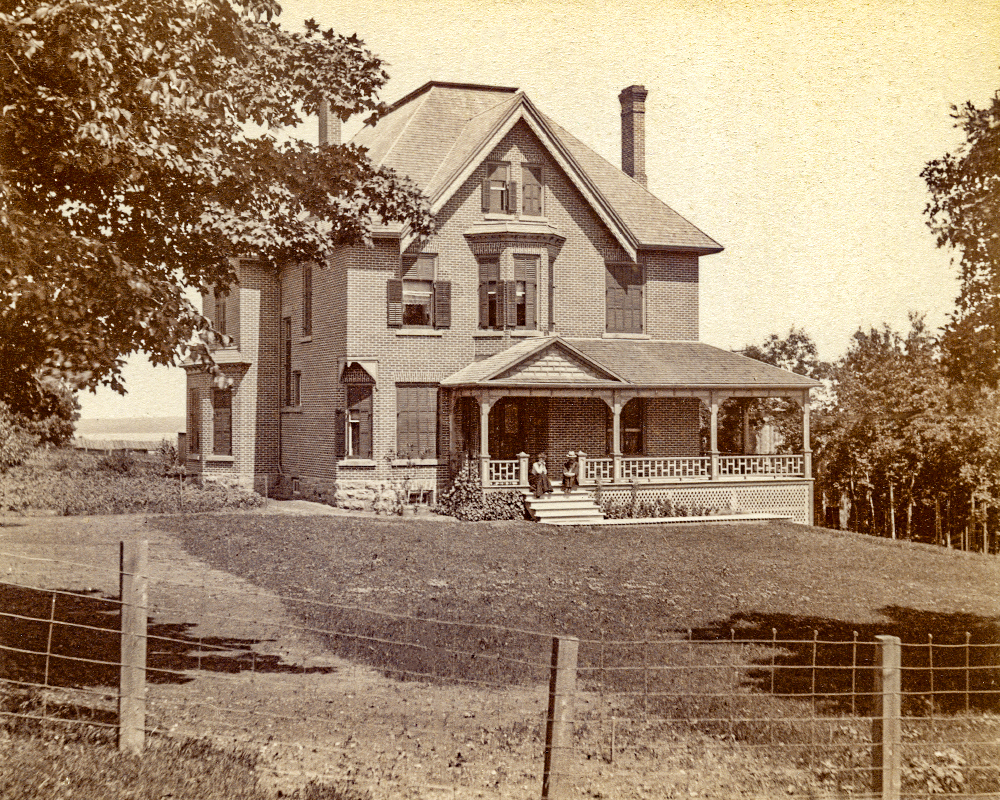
x: 762, y: 466
x: 646, y: 469
x: 643, y: 469
x: 505, y: 473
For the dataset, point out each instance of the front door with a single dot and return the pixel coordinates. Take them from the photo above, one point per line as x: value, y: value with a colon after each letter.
x: 518, y: 424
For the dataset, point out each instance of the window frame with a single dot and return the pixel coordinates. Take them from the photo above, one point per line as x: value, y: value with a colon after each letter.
x: 226, y: 448
x: 529, y: 277
x: 497, y: 192
x: 423, y: 265
x: 359, y: 401
x: 286, y: 361
x: 194, y: 422
x: 488, y: 322
x: 220, y: 322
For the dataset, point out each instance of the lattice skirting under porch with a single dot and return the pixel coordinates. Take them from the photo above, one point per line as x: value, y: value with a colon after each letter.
x: 784, y: 500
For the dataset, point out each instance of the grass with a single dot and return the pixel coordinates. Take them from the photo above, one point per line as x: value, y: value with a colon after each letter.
x: 41, y: 758
x: 70, y: 483
x: 661, y: 613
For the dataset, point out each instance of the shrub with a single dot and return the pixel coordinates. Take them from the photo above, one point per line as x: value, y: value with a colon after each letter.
x: 465, y: 500
x: 120, y: 461
x: 16, y: 443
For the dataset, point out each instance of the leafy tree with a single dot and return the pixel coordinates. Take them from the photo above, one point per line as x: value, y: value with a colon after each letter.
x: 126, y: 176
x: 796, y: 352
x: 964, y: 213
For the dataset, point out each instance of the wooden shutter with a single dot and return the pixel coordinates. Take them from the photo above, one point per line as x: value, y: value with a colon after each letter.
x: 427, y: 420
x: 530, y: 293
x: 307, y: 291
x: 511, y: 197
x: 510, y: 304
x: 394, y: 303
x: 486, y: 192
x: 339, y: 441
x: 442, y: 304
x: 222, y: 422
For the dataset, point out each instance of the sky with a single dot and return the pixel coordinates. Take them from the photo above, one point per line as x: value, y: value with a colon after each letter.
x: 793, y: 133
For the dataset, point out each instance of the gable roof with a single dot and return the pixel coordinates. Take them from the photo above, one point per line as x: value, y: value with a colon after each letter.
x: 632, y: 362
x: 440, y: 133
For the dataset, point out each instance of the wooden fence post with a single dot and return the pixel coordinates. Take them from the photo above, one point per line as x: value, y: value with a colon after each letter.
x: 887, y: 733
x: 559, y: 722
x: 133, y: 583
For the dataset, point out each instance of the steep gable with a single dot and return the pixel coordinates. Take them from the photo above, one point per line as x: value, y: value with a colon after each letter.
x: 439, y: 134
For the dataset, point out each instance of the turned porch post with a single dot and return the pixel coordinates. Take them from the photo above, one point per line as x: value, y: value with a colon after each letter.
x: 806, y: 446
x: 616, y: 441
x: 485, y: 404
x: 713, y: 407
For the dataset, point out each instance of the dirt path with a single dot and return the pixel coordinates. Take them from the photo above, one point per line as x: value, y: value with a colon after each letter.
x: 233, y: 665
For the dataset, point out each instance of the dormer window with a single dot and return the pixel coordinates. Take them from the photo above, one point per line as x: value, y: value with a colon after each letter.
x: 499, y: 191
x: 531, y: 192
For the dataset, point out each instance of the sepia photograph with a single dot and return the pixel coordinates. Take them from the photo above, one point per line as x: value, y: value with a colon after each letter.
x: 466, y: 401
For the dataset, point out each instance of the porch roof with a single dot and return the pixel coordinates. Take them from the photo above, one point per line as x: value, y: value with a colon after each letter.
x: 621, y: 363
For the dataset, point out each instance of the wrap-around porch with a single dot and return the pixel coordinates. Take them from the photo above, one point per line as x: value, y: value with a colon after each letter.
x: 633, y: 411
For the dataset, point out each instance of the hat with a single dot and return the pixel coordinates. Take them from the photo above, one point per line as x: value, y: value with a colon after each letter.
x: 571, y: 454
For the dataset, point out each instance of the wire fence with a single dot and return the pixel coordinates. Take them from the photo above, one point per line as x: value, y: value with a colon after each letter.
x: 406, y: 705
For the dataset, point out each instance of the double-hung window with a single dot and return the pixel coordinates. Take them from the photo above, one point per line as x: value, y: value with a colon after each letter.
x: 358, y: 433
x: 531, y: 190
x: 220, y: 312
x: 286, y: 361
x: 491, y: 299
x: 307, y: 295
x: 525, y: 291
x: 194, y: 422
x: 624, y: 284
x: 418, y: 290
x: 499, y: 191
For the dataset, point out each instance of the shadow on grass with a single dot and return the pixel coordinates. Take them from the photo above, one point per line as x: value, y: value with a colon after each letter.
x: 950, y: 661
x: 81, y: 635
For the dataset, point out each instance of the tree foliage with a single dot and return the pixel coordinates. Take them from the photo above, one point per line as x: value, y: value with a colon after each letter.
x: 126, y: 176
x: 964, y: 213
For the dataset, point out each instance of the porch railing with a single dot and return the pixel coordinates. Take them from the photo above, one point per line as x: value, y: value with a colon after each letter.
x: 754, y: 466
x: 644, y: 469
x: 505, y: 473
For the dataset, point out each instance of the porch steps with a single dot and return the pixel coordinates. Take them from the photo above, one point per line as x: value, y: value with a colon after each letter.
x: 560, y: 508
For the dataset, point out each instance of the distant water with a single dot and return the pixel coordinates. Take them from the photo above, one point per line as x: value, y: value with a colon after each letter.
x: 128, y: 431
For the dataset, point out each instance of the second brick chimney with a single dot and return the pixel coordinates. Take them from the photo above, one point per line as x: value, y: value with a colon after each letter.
x: 329, y: 127
x: 633, y: 100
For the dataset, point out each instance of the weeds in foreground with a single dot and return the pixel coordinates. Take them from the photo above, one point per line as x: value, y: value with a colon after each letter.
x: 71, y: 484
x: 47, y: 757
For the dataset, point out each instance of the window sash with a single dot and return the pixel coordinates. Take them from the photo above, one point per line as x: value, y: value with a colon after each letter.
x: 418, y: 302
x: 531, y: 190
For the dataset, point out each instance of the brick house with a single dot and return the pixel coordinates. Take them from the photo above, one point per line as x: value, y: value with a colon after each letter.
x: 556, y: 308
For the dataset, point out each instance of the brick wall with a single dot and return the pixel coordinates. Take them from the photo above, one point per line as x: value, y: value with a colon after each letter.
x: 349, y: 321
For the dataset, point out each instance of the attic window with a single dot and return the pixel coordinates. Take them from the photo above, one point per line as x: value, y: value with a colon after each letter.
x: 499, y: 191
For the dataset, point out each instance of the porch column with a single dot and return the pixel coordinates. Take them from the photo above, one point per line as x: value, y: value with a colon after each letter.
x: 745, y: 414
x: 485, y: 404
x: 806, y: 445
x: 452, y: 400
x: 616, y: 441
x: 713, y: 407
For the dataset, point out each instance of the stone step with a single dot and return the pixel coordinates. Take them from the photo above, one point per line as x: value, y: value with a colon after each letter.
x: 564, y: 508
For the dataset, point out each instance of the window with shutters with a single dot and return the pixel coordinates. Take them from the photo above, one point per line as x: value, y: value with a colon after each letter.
x: 491, y: 294
x: 624, y: 284
x: 222, y: 422
x: 194, y: 422
x: 531, y: 190
x: 358, y: 422
x: 499, y: 191
x: 525, y: 291
x: 418, y: 290
x: 416, y: 421
x: 307, y: 292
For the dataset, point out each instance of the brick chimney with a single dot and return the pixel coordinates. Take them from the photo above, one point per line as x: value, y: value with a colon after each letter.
x: 633, y: 100
x: 329, y: 130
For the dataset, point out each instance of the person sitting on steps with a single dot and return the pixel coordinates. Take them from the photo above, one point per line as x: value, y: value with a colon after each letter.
x: 571, y: 471
x: 540, y: 477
